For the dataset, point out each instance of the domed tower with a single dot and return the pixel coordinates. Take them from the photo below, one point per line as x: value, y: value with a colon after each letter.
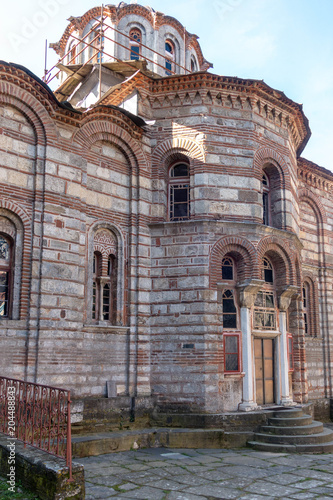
x: 107, y: 45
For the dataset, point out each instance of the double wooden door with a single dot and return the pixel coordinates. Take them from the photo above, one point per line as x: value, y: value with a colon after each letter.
x: 264, y: 370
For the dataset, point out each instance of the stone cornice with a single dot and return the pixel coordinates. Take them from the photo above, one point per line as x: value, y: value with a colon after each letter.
x: 314, y: 175
x: 233, y: 92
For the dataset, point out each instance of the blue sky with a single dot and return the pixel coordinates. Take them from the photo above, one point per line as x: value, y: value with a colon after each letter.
x: 287, y: 43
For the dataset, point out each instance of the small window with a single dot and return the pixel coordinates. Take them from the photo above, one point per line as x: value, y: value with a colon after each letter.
x: 305, y: 310
x: 227, y: 269
x: 180, y: 170
x: 267, y: 271
x: 72, y: 53
x: 169, y: 58
x: 96, y: 39
x: 229, y: 312
x: 265, y: 199
x: 179, y: 192
x: 194, y: 65
x: 96, y: 285
x: 5, y: 276
x: 106, y: 302
x: 290, y: 353
x: 135, y: 44
x: 231, y: 353
x: 264, y: 311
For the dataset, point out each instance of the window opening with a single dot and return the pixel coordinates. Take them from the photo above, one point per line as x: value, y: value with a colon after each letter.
x: 290, y: 353
x: 264, y: 311
x: 135, y: 41
x: 170, y: 57
x: 265, y: 199
x: 268, y: 271
x: 5, y: 269
x: 231, y: 353
x: 179, y: 192
x: 227, y: 269
x: 229, y: 312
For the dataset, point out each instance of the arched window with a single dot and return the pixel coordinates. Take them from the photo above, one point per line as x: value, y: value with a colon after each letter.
x: 265, y: 200
x: 264, y: 306
x: 309, y: 308
x: 169, y: 58
x: 104, y: 284
x: 227, y: 269
x: 179, y: 191
x: 71, y: 58
x: 135, y: 44
x: 97, y: 263
x: 267, y: 270
x: 5, y: 275
x: 96, y: 39
x: 229, y: 311
x: 194, y: 65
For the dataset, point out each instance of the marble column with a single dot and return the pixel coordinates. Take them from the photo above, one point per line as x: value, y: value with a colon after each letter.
x: 247, y: 295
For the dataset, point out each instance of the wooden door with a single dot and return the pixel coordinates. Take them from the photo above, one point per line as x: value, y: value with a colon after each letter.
x: 264, y: 369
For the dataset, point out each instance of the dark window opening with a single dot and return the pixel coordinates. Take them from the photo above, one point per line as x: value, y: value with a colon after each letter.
x: 5, y: 276
x: 265, y: 199
x: 268, y: 271
x: 227, y: 269
x: 229, y: 311
x: 179, y: 170
x: 135, y: 52
x: 179, y: 202
x: 179, y: 192
x: 169, y: 60
x: 106, y: 302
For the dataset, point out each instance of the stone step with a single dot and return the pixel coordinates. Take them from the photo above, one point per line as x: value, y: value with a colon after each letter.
x: 289, y: 448
x: 290, y: 422
x: 109, y: 442
x: 294, y: 413
x: 313, y: 428
x: 323, y: 437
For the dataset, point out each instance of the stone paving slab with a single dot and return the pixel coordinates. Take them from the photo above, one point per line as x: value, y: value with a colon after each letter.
x: 180, y: 474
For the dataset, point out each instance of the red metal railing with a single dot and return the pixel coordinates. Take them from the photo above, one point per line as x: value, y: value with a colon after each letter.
x: 38, y: 415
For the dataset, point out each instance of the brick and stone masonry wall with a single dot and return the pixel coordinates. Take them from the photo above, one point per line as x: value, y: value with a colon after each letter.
x: 66, y: 173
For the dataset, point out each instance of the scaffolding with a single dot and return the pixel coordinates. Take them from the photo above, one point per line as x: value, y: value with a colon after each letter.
x: 93, y: 52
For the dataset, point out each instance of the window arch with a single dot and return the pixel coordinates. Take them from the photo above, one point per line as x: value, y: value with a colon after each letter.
x: 135, y: 43
x: 179, y: 191
x: 6, y: 251
x: 169, y: 57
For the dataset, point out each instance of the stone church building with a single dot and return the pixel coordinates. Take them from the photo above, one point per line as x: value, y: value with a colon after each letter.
x: 160, y: 233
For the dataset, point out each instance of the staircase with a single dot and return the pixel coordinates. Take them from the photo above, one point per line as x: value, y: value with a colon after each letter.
x: 292, y: 431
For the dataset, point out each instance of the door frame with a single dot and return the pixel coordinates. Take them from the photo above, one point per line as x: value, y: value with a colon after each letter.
x: 275, y: 336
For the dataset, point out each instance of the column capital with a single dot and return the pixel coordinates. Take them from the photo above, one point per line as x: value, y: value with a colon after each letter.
x: 248, y: 292
x: 285, y: 297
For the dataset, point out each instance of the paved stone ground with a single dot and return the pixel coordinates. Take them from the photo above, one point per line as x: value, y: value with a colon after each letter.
x: 173, y: 474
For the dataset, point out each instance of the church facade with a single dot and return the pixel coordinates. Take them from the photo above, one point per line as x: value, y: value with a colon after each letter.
x: 160, y: 231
